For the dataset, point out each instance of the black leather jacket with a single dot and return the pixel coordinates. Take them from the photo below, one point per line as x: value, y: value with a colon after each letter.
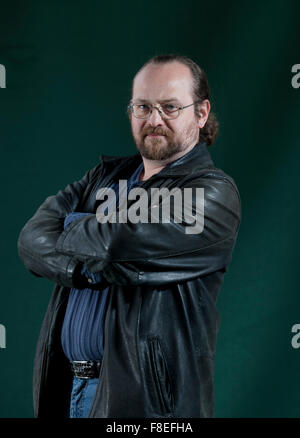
x: 161, y: 321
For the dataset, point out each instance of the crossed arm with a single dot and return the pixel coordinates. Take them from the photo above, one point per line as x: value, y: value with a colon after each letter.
x: 129, y: 253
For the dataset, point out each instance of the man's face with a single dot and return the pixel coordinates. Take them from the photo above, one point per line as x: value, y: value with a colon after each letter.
x: 157, y: 138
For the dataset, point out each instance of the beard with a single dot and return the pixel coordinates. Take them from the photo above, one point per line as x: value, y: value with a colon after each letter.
x: 161, y: 148
x: 167, y: 146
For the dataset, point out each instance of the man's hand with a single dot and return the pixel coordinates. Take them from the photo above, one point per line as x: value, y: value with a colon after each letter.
x: 82, y: 277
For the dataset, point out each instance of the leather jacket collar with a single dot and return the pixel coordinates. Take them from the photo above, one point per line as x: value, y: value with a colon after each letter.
x: 197, y: 158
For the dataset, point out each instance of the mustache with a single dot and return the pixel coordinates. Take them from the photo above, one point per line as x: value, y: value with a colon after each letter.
x: 157, y: 131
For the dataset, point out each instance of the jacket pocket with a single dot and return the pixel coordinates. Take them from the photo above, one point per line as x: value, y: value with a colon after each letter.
x: 160, y: 376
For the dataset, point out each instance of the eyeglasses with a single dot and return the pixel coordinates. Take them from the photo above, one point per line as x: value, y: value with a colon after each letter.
x: 166, y: 110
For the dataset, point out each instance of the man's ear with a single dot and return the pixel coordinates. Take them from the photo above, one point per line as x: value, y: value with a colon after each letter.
x: 204, y: 110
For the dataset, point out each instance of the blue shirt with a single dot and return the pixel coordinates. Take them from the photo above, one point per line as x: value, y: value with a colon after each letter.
x: 83, y: 326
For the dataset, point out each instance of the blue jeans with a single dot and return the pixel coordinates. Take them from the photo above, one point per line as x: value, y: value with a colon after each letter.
x: 82, y: 397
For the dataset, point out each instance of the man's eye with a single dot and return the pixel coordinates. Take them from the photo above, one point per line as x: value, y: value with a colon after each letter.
x: 143, y: 107
x: 169, y: 107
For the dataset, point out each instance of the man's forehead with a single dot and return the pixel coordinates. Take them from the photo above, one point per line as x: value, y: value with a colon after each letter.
x: 163, y: 81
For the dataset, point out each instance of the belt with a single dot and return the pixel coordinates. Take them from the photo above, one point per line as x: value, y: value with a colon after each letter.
x: 86, y: 369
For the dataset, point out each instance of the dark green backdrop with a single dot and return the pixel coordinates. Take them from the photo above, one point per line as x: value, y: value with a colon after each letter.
x: 69, y: 68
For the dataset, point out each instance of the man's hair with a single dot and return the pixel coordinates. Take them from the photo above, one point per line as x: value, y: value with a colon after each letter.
x: 200, y: 92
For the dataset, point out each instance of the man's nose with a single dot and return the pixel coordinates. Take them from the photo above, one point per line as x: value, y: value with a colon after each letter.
x: 155, y: 118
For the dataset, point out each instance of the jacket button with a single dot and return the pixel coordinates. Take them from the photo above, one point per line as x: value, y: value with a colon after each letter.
x: 90, y: 280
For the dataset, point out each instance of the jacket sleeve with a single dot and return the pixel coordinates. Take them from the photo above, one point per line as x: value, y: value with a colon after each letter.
x: 38, y: 238
x: 159, y: 253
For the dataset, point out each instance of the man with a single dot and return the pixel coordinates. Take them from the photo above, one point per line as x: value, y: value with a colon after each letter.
x: 134, y: 306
